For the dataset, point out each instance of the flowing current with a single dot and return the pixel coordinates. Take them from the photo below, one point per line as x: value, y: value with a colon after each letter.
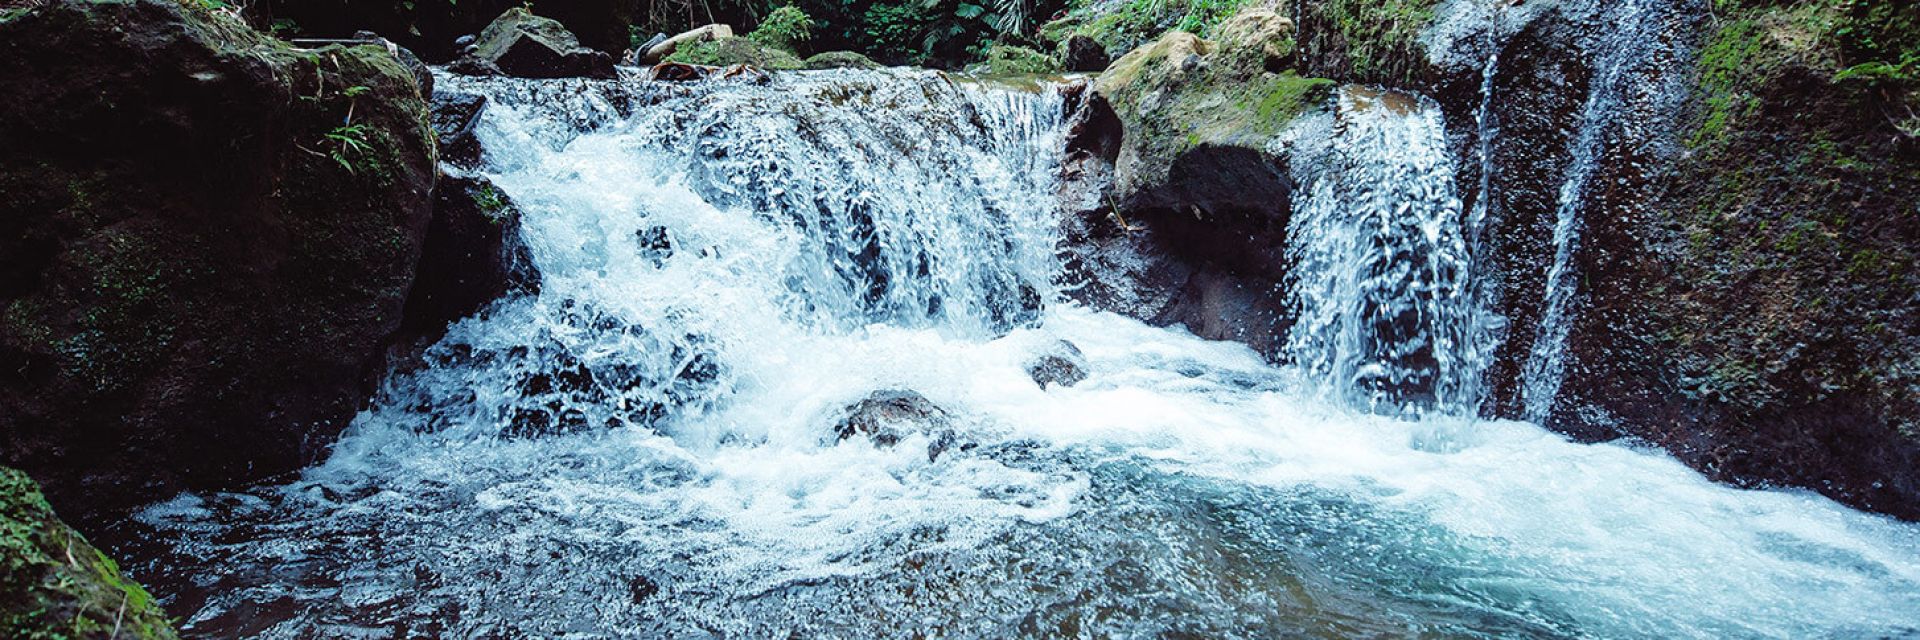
x: 646, y: 448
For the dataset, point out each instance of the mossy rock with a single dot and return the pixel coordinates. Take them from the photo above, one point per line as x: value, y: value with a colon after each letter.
x: 56, y: 586
x: 840, y: 60
x: 1005, y: 59
x: 730, y: 51
x: 1773, y: 277
x: 203, y: 256
x: 1181, y: 94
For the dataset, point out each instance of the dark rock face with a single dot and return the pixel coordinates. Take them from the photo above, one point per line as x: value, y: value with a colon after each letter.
x: 1081, y: 53
x: 200, y: 258
x: 53, y: 584
x: 472, y: 256
x: 889, y: 416
x: 524, y: 45
x: 1759, y: 319
x: 1064, y: 366
x: 454, y: 116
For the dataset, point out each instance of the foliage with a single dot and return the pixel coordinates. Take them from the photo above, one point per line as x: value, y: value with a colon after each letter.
x: 1123, y: 26
x: 348, y: 141
x: 784, y: 28
x: 939, y: 33
x: 1754, y: 42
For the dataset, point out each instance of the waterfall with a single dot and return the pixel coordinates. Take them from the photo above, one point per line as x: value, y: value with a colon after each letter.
x: 1387, y: 315
x: 647, y: 447
x: 1632, y: 94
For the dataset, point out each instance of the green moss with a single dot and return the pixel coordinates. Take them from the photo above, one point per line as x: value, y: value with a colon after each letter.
x: 840, y: 60
x: 1286, y: 97
x: 1005, y: 59
x: 1382, y: 37
x: 54, y: 585
x: 731, y: 51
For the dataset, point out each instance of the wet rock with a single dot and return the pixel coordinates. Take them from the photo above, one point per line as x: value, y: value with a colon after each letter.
x: 1748, y: 300
x: 680, y: 72
x: 53, y: 584
x: 1082, y: 54
x: 200, y: 275
x: 661, y: 50
x: 1181, y: 202
x: 454, y: 117
x: 840, y: 60
x: 887, y: 417
x: 472, y: 256
x: 1063, y: 365
x: 656, y: 244
x: 523, y: 45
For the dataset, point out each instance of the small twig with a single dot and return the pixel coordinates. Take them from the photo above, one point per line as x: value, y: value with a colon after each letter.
x: 118, y: 615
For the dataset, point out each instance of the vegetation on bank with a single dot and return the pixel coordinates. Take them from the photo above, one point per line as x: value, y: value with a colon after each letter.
x: 56, y: 586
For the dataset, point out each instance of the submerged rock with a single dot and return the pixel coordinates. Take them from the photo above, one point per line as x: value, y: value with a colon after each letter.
x: 887, y: 417
x: 53, y: 584
x: 524, y: 45
x: 1064, y: 365
x: 203, y: 254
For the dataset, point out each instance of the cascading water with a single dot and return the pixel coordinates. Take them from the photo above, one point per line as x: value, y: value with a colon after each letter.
x: 1387, y: 316
x: 646, y: 448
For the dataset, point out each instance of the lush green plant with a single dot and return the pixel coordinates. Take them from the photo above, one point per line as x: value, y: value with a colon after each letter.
x: 785, y: 28
x: 348, y: 141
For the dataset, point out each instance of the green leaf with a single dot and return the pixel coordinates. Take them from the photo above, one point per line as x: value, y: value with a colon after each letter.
x: 969, y: 11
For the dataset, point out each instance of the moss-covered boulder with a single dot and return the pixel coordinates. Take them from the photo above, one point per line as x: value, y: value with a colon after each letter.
x: 206, y: 241
x: 1186, y: 103
x: 729, y: 51
x: 55, y: 586
x: 1193, y: 228
x: 840, y: 60
x: 524, y: 45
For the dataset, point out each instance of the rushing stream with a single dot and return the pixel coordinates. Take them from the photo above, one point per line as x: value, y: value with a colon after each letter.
x: 646, y: 448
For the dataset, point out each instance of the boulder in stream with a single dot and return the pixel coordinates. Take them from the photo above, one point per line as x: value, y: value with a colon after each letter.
x: 524, y: 45
x: 1062, y: 365
x: 203, y: 255
x: 1182, y: 203
x: 886, y: 417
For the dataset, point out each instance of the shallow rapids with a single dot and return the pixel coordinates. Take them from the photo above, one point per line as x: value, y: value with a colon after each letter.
x: 645, y: 448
